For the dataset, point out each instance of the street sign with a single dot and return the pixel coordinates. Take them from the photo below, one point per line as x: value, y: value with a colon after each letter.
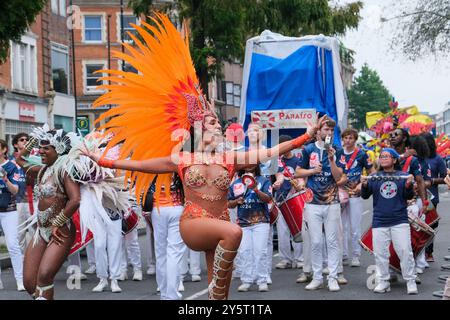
x: 83, y: 125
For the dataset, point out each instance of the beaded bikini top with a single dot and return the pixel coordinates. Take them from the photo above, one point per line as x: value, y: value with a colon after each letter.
x: 46, y: 186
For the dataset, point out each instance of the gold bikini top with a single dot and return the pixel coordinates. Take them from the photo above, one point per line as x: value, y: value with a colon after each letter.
x: 195, y: 179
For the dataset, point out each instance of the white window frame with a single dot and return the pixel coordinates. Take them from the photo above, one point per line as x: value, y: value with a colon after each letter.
x: 129, y: 14
x: 91, y: 89
x: 54, y: 5
x: 31, y: 82
x: 62, y: 7
x: 63, y: 49
x: 103, y: 26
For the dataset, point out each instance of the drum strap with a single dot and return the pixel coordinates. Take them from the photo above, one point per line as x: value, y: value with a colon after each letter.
x: 352, y: 159
x: 286, y: 170
x: 407, y: 163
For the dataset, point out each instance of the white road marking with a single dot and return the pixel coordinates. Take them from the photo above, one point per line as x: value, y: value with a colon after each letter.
x: 198, y: 294
x: 365, y: 212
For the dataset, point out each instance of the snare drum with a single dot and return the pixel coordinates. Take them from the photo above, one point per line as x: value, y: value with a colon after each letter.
x: 130, y: 222
x: 274, y: 212
x: 292, y: 211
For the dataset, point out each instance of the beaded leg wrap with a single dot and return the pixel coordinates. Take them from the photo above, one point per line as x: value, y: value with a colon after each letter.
x: 221, y: 268
x: 41, y: 291
x: 446, y: 295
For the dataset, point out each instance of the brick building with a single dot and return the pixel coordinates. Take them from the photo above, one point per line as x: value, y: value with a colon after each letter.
x: 35, y: 82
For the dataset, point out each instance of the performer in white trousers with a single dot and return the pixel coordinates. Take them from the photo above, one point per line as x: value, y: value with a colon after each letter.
x: 108, y: 254
x: 191, y: 264
x: 289, y: 259
x: 150, y: 245
x: 390, y: 220
x: 131, y: 252
x: 9, y: 217
x: 319, y: 165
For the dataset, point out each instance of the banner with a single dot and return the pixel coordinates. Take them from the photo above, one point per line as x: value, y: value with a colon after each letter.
x: 284, y: 119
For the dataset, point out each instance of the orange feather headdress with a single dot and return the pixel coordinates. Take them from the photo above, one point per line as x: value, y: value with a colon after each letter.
x: 150, y: 105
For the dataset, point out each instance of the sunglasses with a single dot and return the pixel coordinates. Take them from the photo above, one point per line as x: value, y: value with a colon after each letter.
x: 23, y: 139
x: 394, y: 134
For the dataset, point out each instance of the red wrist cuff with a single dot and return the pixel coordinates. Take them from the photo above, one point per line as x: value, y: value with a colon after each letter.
x: 299, y: 141
x: 106, y: 163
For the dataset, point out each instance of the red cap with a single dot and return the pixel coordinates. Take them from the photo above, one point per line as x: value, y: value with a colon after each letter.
x: 235, y: 133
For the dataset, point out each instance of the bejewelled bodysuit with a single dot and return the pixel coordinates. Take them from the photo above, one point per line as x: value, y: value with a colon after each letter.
x: 193, y: 179
x: 46, y: 188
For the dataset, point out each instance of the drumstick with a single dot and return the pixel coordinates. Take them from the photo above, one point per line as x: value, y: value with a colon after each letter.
x: 385, y: 178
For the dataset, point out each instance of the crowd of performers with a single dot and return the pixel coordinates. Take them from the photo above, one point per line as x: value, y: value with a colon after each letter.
x: 162, y: 151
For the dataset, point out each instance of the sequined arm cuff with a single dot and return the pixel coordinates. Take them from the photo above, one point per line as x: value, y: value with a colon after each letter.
x: 60, y: 220
x: 299, y: 141
x: 106, y: 163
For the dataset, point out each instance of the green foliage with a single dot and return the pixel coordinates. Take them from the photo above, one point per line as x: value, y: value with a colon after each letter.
x: 15, y: 17
x: 367, y: 94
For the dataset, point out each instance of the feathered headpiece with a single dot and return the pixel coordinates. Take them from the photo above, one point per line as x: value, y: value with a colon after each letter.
x: 151, y: 106
x: 56, y: 138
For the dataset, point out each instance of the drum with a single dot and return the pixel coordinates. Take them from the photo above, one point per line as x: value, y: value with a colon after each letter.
x: 292, y: 211
x: 431, y: 217
x: 421, y: 236
x: 274, y: 212
x: 130, y: 222
x: 78, y: 244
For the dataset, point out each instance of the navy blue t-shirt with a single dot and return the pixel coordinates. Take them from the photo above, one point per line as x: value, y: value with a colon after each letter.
x: 413, y: 168
x: 21, y: 194
x: 389, y: 199
x: 291, y: 164
x: 438, y: 170
x: 323, y: 186
x: 7, y: 199
x: 354, y: 172
x: 253, y: 210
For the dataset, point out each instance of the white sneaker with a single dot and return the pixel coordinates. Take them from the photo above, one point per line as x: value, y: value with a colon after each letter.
x: 244, y: 287
x: 151, y: 270
x: 196, y: 278
x: 1, y: 285
x: 181, y: 287
x: 341, y: 279
x: 304, y: 277
x: 355, y: 262
x: 137, y: 275
x: 283, y: 265
x: 333, y: 285
x: 263, y: 287
x: 157, y: 289
x: 102, y: 285
x: 419, y: 270
x: 411, y: 287
x: 326, y: 270
x: 269, y: 280
x: 123, y: 276
x: 382, y: 287
x: 90, y: 270
x: 115, y: 286
x: 298, y: 264
x: 314, y: 285
x: 20, y: 286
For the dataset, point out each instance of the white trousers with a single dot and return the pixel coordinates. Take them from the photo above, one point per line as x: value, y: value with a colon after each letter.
x: 169, y: 249
x: 237, y: 263
x: 108, y: 250
x: 285, y: 241
x: 254, y: 253
x: 23, y: 210
x: 269, y: 251
x: 90, y: 253
x: 351, y: 221
x: 150, y: 245
x: 307, y: 264
x: 414, y: 209
x: 328, y: 216
x: 131, y: 251
x: 400, y: 235
x: 190, y: 263
x: 9, y: 221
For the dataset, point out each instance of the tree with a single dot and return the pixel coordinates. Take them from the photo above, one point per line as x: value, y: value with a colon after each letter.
x: 219, y: 29
x: 367, y: 94
x: 15, y: 17
x: 425, y: 29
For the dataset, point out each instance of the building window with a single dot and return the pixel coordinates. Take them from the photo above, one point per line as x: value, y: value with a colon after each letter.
x: 60, y: 68
x: 93, y: 29
x: 24, y: 67
x: 127, y: 19
x: 231, y: 93
x: 55, y: 6
x: 91, y: 78
x: 59, y: 7
x: 65, y: 123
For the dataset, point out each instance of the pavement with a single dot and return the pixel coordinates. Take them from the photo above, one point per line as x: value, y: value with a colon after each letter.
x: 284, y: 286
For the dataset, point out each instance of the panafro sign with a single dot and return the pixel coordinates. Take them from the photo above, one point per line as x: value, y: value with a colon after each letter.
x: 283, y: 119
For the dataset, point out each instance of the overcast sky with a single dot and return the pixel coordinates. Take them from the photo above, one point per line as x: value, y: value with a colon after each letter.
x: 425, y: 83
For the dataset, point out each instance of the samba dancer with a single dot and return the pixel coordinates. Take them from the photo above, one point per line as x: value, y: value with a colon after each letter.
x: 59, y: 198
x: 318, y: 164
x: 284, y: 187
x: 390, y: 219
x: 162, y: 98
